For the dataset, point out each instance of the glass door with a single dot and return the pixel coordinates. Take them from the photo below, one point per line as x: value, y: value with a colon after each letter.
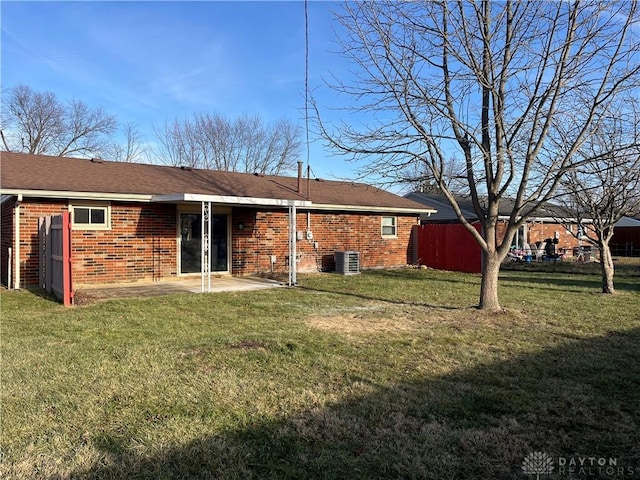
x: 191, y: 243
x: 219, y: 242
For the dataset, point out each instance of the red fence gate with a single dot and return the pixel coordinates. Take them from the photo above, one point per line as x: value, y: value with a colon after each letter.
x: 55, y: 256
x: 447, y: 246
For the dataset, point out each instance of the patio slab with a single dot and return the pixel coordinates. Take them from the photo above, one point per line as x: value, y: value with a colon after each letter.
x: 169, y: 287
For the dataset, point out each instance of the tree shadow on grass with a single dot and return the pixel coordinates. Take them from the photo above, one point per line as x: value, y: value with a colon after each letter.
x: 580, y: 399
x: 445, y: 275
x: 380, y: 298
x: 393, y: 275
x: 562, y: 282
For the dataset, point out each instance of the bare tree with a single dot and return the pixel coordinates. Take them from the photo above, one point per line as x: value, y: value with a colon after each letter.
x: 175, y: 147
x: 418, y: 178
x: 246, y: 144
x: 606, y: 187
x: 38, y: 123
x: 132, y: 149
x: 496, y: 84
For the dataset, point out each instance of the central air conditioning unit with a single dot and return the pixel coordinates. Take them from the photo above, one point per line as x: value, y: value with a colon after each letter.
x: 347, y: 263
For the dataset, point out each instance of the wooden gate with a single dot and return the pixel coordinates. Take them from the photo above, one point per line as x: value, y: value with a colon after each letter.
x: 55, y: 256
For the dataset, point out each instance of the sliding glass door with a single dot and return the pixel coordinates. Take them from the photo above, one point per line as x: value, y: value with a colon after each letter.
x: 191, y: 243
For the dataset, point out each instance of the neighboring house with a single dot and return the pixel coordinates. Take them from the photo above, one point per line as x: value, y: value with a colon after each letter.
x: 461, y: 252
x: 543, y: 224
x: 134, y: 222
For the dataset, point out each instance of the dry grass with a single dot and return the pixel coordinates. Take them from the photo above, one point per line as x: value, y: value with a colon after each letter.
x: 374, y: 321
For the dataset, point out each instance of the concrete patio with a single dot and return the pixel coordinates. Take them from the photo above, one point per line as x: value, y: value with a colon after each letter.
x: 169, y: 287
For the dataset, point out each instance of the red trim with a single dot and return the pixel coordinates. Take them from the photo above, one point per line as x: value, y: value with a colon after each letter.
x: 66, y: 263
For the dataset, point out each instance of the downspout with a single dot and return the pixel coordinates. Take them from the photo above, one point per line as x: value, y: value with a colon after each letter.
x: 16, y: 247
x: 292, y: 246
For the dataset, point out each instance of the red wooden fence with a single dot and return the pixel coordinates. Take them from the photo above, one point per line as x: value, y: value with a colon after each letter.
x: 447, y: 247
x: 626, y: 242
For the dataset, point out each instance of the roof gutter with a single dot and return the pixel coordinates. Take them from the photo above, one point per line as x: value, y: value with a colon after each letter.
x: 229, y: 200
x: 558, y: 220
x: 77, y: 195
x: 16, y: 246
x: 367, y: 208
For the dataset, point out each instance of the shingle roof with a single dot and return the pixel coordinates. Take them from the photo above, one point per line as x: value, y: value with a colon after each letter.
x: 628, y: 222
x: 20, y: 171
x: 446, y: 213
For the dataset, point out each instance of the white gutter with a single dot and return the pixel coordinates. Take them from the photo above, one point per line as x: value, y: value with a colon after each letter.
x: 365, y: 208
x: 78, y: 195
x: 229, y: 199
x: 550, y: 219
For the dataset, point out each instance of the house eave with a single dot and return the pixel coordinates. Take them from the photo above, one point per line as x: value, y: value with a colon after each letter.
x: 367, y: 208
x: 558, y: 220
x: 218, y: 199
x: 77, y: 195
x: 229, y: 200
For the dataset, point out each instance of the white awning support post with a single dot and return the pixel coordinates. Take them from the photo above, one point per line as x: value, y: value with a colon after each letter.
x: 205, y: 247
x: 16, y: 245
x: 293, y: 261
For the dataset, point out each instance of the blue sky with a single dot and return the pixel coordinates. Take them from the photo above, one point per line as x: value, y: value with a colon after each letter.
x: 148, y: 62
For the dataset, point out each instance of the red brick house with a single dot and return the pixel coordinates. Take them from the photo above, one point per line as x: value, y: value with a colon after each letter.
x: 133, y: 222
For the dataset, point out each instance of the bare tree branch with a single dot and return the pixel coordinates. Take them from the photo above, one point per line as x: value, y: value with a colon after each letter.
x: 131, y: 150
x: 242, y: 145
x: 38, y: 123
x: 606, y: 187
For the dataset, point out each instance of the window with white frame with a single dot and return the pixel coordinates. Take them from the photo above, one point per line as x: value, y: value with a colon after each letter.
x: 90, y: 216
x: 389, y: 227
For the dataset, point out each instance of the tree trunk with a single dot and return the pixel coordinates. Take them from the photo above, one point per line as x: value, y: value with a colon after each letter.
x: 489, y: 286
x: 607, y: 268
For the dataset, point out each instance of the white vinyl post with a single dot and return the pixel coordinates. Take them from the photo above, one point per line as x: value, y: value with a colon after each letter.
x: 205, y: 247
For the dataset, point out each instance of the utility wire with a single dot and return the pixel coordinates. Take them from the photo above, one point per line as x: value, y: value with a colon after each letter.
x: 306, y: 76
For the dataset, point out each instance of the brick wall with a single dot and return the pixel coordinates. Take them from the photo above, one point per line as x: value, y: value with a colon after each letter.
x: 142, y: 242
x: 140, y: 245
x: 539, y: 232
x: 264, y: 234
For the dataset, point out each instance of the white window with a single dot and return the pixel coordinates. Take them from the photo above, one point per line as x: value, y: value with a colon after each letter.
x: 389, y: 227
x: 90, y: 216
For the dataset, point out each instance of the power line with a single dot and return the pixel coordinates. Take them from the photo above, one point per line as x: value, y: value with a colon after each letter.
x: 306, y: 76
